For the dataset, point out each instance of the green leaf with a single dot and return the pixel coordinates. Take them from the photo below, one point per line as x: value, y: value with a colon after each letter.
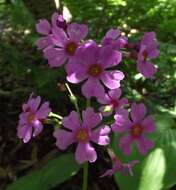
x: 54, y: 173
x: 155, y: 171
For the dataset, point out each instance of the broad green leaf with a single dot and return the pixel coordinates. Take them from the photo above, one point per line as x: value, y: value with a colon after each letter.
x: 54, y: 173
x: 156, y: 170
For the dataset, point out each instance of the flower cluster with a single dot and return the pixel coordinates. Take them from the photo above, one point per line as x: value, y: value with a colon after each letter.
x: 96, y: 68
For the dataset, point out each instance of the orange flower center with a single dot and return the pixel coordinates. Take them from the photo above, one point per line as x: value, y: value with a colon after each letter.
x: 71, y: 48
x: 136, y: 130
x: 82, y: 135
x: 30, y: 117
x: 95, y: 70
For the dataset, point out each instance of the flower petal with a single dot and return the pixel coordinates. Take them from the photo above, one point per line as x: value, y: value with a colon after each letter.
x: 92, y: 87
x: 85, y: 152
x: 43, y: 42
x: 109, y: 57
x: 111, y: 79
x: 109, y: 173
x: 37, y: 128
x: 113, y: 33
x: 100, y: 135
x: 146, y: 69
x: 43, y: 111
x: 56, y: 57
x: 77, y: 32
x: 59, y: 37
x: 123, y: 101
x: 43, y: 27
x: 138, y: 112
x: 76, y: 72
x: 58, y: 21
x: 72, y: 121
x: 34, y: 103
x: 115, y: 93
x: 64, y: 138
x: 144, y: 145
x: 90, y: 118
x: 104, y: 99
x: 125, y: 144
x: 122, y: 123
x: 88, y: 53
x: 24, y: 132
x: 153, y: 53
x: 148, y: 124
x: 149, y: 38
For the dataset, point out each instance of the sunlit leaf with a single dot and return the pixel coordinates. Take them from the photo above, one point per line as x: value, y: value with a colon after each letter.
x: 54, y: 173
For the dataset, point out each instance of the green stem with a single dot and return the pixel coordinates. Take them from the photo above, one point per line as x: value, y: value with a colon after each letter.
x: 85, y: 176
x: 51, y: 114
x: 88, y: 103
x: 73, y: 98
x: 85, y: 165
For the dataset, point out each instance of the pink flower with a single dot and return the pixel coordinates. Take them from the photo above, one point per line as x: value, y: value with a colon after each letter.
x: 148, y: 50
x: 114, y: 38
x: 44, y: 28
x: 136, y: 129
x: 66, y: 44
x: 92, y: 63
x: 58, y: 21
x: 30, y: 120
x: 112, y: 101
x: 82, y: 133
x: 118, y: 166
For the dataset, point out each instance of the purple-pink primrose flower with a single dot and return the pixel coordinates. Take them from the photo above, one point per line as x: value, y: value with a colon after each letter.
x: 45, y: 28
x: 82, y: 133
x: 136, y: 130
x: 112, y: 102
x: 114, y: 38
x: 148, y: 50
x: 92, y: 63
x: 58, y: 21
x: 123, y: 168
x: 65, y: 43
x: 30, y: 120
x: 120, y: 118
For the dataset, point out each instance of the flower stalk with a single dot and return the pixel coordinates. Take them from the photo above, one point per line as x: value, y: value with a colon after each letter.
x: 73, y: 98
x: 85, y: 176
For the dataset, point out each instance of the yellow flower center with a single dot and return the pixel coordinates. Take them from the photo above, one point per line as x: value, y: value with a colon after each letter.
x: 82, y: 135
x: 30, y: 117
x: 71, y: 48
x: 95, y: 70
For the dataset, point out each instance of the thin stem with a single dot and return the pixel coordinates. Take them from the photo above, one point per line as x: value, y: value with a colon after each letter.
x: 69, y: 90
x: 85, y: 176
x: 73, y: 98
x: 51, y: 114
x: 88, y: 103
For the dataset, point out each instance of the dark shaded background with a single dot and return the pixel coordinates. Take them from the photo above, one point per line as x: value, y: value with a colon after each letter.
x: 23, y: 70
